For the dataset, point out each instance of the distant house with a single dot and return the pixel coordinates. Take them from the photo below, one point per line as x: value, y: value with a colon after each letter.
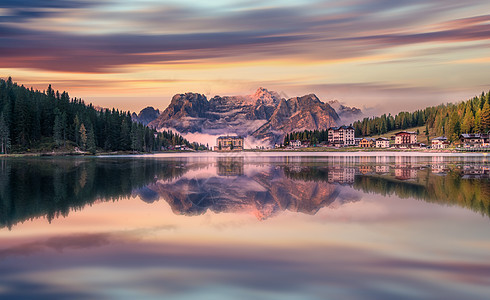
x: 440, y: 143
x: 475, y: 140
x: 382, y: 142
x: 229, y: 143
x: 342, y: 136
x: 357, y: 141
x: 295, y: 143
x: 405, y: 138
x: 367, y: 143
x: 182, y: 147
x: 305, y: 144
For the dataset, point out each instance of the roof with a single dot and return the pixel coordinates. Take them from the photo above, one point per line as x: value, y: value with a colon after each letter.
x: 229, y: 137
x: 382, y: 139
x: 405, y: 132
x: 341, y: 127
x: 369, y: 139
x: 474, y: 135
x: 441, y: 138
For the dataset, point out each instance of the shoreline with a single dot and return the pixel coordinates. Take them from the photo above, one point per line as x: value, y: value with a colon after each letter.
x: 269, y: 152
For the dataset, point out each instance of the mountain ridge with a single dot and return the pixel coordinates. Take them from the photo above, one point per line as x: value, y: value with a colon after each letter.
x: 264, y: 115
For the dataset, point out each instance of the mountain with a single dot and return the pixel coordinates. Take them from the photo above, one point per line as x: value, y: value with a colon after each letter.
x: 346, y: 114
x: 191, y: 112
x: 264, y: 115
x: 297, y: 114
x: 146, y: 115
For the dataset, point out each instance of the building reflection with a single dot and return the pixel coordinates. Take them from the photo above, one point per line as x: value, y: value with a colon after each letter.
x: 230, y: 166
x: 405, y: 173
x: 52, y: 188
x: 341, y: 175
x: 476, y: 172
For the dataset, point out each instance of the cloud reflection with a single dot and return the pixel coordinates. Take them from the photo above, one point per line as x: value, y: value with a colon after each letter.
x: 298, y: 272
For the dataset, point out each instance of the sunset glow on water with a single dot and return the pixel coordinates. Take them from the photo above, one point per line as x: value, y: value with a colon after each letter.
x: 243, y: 227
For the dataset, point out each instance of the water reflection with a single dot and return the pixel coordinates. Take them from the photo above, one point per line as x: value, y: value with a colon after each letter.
x: 31, y: 188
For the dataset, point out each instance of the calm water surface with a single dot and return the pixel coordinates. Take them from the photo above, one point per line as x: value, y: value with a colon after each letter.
x: 253, y: 227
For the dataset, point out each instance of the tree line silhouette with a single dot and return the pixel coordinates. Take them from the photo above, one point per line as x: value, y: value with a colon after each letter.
x: 31, y: 120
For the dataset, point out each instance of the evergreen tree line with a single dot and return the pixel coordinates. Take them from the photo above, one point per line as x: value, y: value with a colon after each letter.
x: 313, y: 136
x: 450, y: 120
x: 43, y: 121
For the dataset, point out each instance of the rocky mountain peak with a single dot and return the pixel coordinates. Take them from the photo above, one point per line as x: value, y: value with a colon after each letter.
x: 264, y: 96
x: 146, y: 115
x: 265, y: 115
x: 346, y: 113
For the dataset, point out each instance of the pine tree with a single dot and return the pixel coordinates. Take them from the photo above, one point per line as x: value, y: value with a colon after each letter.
x: 427, y: 133
x: 468, y: 122
x: 485, y: 117
x: 58, y: 128
x: 477, y: 126
x: 83, y: 136
x: 4, y: 135
x: 91, y: 146
x: 454, y: 127
x: 76, y: 124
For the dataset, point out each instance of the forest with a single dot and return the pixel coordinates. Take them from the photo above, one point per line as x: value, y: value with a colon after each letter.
x: 313, y: 136
x: 450, y: 120
x: 35, y: 121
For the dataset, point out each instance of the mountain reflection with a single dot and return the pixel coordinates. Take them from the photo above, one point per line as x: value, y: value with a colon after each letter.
x: 31, y: 188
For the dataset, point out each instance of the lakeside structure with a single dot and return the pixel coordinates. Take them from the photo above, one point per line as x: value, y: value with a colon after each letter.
x: 229, y: 143
x: 475, y: 140
x: 405, y: 139
x: 440, y: 143
x: 367, y: 142
x: 382, y: 142
x: 342, y: 136
x: 295, y: 143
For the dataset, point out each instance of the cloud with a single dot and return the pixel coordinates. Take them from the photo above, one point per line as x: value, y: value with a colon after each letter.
x: 36, y: 35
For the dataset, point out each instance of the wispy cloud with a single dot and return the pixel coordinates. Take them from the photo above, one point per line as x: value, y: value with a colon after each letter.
x: 33, y: 36
x: 222, y: 45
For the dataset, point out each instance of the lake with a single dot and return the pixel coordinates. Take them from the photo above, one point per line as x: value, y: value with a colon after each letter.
x: 246, y: 226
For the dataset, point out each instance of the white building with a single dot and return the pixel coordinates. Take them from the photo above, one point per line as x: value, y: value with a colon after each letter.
x: 440, y: 143
x: 382, y: 142
x: 295, y: 143
x: 342, y: 136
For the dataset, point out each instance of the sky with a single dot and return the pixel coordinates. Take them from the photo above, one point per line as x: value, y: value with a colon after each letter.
x: 379, y: 55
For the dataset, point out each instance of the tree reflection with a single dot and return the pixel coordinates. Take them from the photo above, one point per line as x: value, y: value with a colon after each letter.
x: 32, y: 188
